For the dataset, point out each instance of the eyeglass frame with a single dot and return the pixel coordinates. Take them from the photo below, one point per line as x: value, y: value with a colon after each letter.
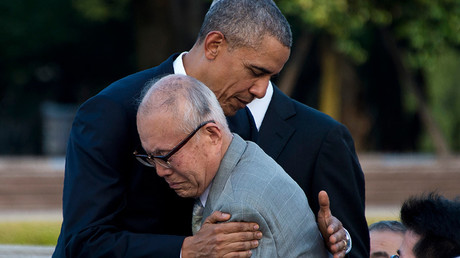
x: 145, y: 159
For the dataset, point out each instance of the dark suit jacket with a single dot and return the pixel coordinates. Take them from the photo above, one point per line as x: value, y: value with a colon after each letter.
x: 112, y: 205
x: 319, y: 154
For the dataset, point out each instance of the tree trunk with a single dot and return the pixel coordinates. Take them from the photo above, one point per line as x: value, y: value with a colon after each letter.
x: 407, y: 80
x: 330, y: 87
x: 291, y: 72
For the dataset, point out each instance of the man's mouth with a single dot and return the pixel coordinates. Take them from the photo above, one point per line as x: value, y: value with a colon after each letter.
x: 245, y: 102
x: 174, y: 185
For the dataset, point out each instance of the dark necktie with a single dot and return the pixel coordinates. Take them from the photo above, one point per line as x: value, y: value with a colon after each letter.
x: 243, y: 124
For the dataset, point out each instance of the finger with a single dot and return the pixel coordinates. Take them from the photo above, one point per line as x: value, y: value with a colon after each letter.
x: 241, y: 246
x: 238, y: 243
x: 216, y: 217
x: 244, y: 236
x: 339, y: 247
x: 238, y: 254
x: 324, y: 208
x: 334, y: 226
x: 340, y: 254
x: 236, y: 227
x: 338, y: 236
x: 230, y: 227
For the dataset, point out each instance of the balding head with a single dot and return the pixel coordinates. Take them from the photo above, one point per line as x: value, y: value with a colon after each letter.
x: 184, y: 98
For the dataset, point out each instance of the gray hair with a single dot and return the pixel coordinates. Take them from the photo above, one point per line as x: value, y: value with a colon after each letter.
x: 244, y: 23
x: 185, y: 98
x: 388, y: 225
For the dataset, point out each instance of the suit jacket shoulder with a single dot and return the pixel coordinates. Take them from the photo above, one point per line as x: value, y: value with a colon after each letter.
x: 252, y: 187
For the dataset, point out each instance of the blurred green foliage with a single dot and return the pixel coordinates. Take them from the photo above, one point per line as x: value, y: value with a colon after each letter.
x: 344, y: 21
x: 443, y: 92
x: 426, y: 32
x: 51, y: 52
x: 423, y: 27
x: 102, y: 10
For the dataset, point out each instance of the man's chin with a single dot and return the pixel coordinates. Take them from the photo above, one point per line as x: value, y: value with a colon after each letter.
x: 231, y: 111
x: 184, y: 194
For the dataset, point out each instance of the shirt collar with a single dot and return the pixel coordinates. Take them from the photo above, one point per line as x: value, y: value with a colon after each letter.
x: 204, y: 195
x: 258, y: 107
x: 178, y: 65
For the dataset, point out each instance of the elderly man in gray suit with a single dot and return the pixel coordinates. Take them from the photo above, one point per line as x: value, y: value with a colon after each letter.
x: 184, y: 130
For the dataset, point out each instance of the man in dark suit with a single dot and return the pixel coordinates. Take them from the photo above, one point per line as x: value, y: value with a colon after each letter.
x: 114, y: 207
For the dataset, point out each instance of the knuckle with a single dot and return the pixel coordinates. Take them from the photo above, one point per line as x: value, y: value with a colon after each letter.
x: 219, y: 239
x: 216, y: 229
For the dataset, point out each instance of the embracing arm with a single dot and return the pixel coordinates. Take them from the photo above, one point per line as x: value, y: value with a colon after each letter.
x: 214, y: 239
x: 339, y: 173
x: 98, y: 163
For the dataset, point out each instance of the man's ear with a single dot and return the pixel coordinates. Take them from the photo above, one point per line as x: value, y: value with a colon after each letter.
x: 213, y: 44
x: 214, y: 133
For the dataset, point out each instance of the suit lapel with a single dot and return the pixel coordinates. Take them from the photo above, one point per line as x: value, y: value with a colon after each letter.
x: 166, y: 67
x: 275, y: 130
x: 242, y: 123
x: 219, y: 184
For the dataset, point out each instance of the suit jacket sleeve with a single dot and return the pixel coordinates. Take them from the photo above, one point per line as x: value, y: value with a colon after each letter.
x: 95, y: 191
x: 339, y: 173
x: 289, y: 239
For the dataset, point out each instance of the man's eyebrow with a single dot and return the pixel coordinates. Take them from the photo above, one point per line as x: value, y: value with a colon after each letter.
x: 263, y: 70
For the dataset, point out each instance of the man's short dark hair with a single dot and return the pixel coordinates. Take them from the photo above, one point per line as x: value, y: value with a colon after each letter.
x: 437, y: 221
x: 244, y: 23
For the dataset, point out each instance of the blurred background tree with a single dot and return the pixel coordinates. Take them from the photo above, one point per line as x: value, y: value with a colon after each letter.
x: 376, y: 63
x: 388, y: 70
x: 50, y: 52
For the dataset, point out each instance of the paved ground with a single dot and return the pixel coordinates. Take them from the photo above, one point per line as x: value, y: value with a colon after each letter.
x: 31, y: 188
x: 20, y: 251
x: 390, y: 179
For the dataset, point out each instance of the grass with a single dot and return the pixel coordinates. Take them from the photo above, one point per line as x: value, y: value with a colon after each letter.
x: 371, y: 220
x: 45, y: 233
x: 30, y: 232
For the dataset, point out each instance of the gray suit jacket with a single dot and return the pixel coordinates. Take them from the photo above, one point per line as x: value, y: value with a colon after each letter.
x: 253, y: 187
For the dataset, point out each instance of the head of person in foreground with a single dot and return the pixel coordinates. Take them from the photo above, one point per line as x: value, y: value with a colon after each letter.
x: 184, y: 131
x: 433, y: 227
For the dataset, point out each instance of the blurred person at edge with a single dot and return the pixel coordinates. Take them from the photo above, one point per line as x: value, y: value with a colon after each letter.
x: 432, y: 227
x: 386, y: 238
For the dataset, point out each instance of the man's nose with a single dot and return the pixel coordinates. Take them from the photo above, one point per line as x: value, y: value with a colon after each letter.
x: 259, y: 89
x: 162, y: 171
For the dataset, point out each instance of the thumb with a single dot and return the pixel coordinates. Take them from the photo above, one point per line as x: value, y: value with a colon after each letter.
x: 216, y: 217
x: 324, y: 207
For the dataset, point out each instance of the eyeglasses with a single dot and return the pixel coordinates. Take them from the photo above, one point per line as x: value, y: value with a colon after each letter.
x: 163, y: 160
